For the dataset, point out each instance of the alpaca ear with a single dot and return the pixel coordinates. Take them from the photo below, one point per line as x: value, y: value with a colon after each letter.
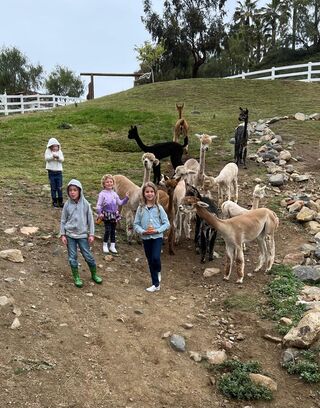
x: 213, y: 137
x: 202, y: 204
x: 198, y: 135
x: 156, y: 162
x: 240, y: 108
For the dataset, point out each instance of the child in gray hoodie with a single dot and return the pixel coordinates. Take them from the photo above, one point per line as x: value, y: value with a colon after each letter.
x: 76, y: 221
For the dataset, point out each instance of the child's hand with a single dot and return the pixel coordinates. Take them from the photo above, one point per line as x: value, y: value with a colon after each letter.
x: 91, y: 239
x: 64, y: 239
x: 149, y: 232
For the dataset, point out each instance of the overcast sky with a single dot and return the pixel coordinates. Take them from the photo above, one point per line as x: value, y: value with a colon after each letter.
x: 85, y: 36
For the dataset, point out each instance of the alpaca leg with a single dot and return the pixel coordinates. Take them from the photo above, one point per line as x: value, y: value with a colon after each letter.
x: 187, y: 225
x: 229, y: 192
x: 212, y: 240
x: 244, y: 156
x: 235, y: 188
x: 239, y: 264
x: 263, y: 252
x: 229, y: 262
x: 271, y: 251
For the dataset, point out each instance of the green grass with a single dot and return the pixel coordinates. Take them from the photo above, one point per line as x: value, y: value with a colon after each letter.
x: 98, y: 143
x: 282, y: 293
x: 246, y: 302
x: 234, y: 381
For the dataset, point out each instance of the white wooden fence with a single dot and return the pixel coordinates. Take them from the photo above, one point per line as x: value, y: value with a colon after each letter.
x: 29, y: 103
x: 301, y: 72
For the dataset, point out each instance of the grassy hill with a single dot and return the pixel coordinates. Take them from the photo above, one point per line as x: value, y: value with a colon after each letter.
x: 98, y: 143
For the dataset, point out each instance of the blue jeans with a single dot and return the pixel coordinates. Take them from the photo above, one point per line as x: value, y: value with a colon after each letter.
x: 83, y: 244
x: 152, y: 249
x: 55, y: 178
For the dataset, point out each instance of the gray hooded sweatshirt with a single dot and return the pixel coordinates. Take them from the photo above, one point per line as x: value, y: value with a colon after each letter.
x: 76, y: 217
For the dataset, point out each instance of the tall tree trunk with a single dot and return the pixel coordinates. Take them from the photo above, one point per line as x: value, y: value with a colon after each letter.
x: 316, y: 23
x: 294, y: 25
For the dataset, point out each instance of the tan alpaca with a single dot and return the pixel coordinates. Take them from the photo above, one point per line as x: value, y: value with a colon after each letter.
x: 205, y: 142
x: 259, y: 224
x: 181, y: 127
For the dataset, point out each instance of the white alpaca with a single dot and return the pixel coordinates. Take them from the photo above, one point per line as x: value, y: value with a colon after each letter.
x: 231, y: 209
x: 227, y: 181
x: 205, y: 142
x: 253, y: 225
x: 192, y: 164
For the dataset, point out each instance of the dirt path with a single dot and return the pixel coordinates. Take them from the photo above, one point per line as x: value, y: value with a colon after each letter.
x: 102, y: 346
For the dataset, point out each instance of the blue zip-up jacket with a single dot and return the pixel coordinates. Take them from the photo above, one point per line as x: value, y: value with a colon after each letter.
x: 155, y: 216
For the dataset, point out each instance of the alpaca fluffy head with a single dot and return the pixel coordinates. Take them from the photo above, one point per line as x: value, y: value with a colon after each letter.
x: 205, y: 140
x: 149, y: 160
x: 259, y: 191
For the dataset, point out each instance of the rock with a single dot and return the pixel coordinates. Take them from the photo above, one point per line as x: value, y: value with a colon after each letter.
x: 300, y: 116
x: 289, y: 355
x: 166, y: 335
x: 285, y: 155
x: 306, y: 332
x: 13, y: 255
x: 195, y: 356
x: 178, y: 343
x: 16, y: 324
x: 4, y: 300
x: 314, y: 116
x: 187, y: 326
x: 208, y: 272
x: 307, y: 273
x: 305, y: 214
x: 301, y: 177
x: 296, y: 206
x: 289, y: 168
x: 286, y: 321
x: 29, y: 230
x: 310, y: 293
x: 216, y: 357
x: 277, y: 180
x: 17, y: 310
x: 273, y: 339
x: 295, y: 258
x: 317, y: 253
x: 10, y: 231
x: 138, y: 311
x: 307, y: 249
x: 312, y: 226
x: 263, y: 380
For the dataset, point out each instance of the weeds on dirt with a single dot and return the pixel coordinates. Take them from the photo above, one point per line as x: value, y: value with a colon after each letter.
x: 246, y: 302
x: 306, y: 366
x: 282, y: 293
x: 235, y: 382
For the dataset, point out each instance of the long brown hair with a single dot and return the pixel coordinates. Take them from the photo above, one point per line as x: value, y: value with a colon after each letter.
x: 155, y: 189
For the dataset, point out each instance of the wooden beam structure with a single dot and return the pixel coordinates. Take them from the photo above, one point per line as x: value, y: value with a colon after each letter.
x: 90, y: 94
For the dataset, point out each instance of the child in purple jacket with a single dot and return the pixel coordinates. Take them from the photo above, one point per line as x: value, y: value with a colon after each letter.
x: 107, y: 209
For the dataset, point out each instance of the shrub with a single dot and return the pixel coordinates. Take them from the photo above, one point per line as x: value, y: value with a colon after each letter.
x: 305, y: 366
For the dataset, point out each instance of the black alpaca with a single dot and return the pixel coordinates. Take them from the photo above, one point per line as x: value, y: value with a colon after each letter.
x: 160, y: 150
x: 241, y: 138
x: 205, y: 235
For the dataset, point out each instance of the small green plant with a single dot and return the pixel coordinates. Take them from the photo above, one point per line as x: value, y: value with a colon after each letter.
x: 306, y: 366
x: 246, y: 302
x: 282, y: 295
x: 236, y: 383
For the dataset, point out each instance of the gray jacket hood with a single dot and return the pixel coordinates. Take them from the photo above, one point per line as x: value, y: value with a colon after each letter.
x: 77, y: 183
x: 53, y: 141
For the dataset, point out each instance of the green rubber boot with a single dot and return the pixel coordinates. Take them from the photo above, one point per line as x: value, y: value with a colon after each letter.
x: 77, y: 281
x: 94, y: 276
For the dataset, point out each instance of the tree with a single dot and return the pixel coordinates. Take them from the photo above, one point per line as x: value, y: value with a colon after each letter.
x: 149, y: 55
x: 276, y: 16
x: 190, y: 27
x: 62, y: 81
x: 17, y: 75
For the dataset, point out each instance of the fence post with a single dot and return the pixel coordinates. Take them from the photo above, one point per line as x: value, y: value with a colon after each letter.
x: 309, y: 76
x: 22, y: 104
x: 53, y: 100
x: 273, y: 73
x: 5, y: 102
x: 243, y: 75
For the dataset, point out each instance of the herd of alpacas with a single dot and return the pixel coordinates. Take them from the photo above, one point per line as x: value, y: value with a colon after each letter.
x: 188, y: 197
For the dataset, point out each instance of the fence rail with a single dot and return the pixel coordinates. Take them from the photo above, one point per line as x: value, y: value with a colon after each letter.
x: 29, y: 103
x: 300, y: 72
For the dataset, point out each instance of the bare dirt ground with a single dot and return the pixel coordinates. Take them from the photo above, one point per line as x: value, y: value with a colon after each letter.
x: 102, y: 346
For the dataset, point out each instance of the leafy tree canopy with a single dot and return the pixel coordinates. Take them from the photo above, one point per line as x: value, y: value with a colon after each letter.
x: 62, y: 81
x: 17, y: 75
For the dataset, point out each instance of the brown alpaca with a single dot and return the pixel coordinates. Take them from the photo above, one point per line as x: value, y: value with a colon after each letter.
x: 181, y: 127
x: 170, y: 185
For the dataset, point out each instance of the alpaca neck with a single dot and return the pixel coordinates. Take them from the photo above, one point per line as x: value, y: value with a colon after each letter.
x: 245, y: 127
x: 170, y: 205
x: 142, y: 146
x: 202, y: 165
x: 219, y: 225
x: 146, y: 175
x: 255, y: 203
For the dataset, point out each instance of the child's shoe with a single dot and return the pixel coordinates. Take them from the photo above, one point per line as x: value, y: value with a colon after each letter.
x: 105, y: 248
x: 153, y: 288
x: 94, y: 276
x: 55, y: 203
x: 113, y: 248
x: 76, y: 278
